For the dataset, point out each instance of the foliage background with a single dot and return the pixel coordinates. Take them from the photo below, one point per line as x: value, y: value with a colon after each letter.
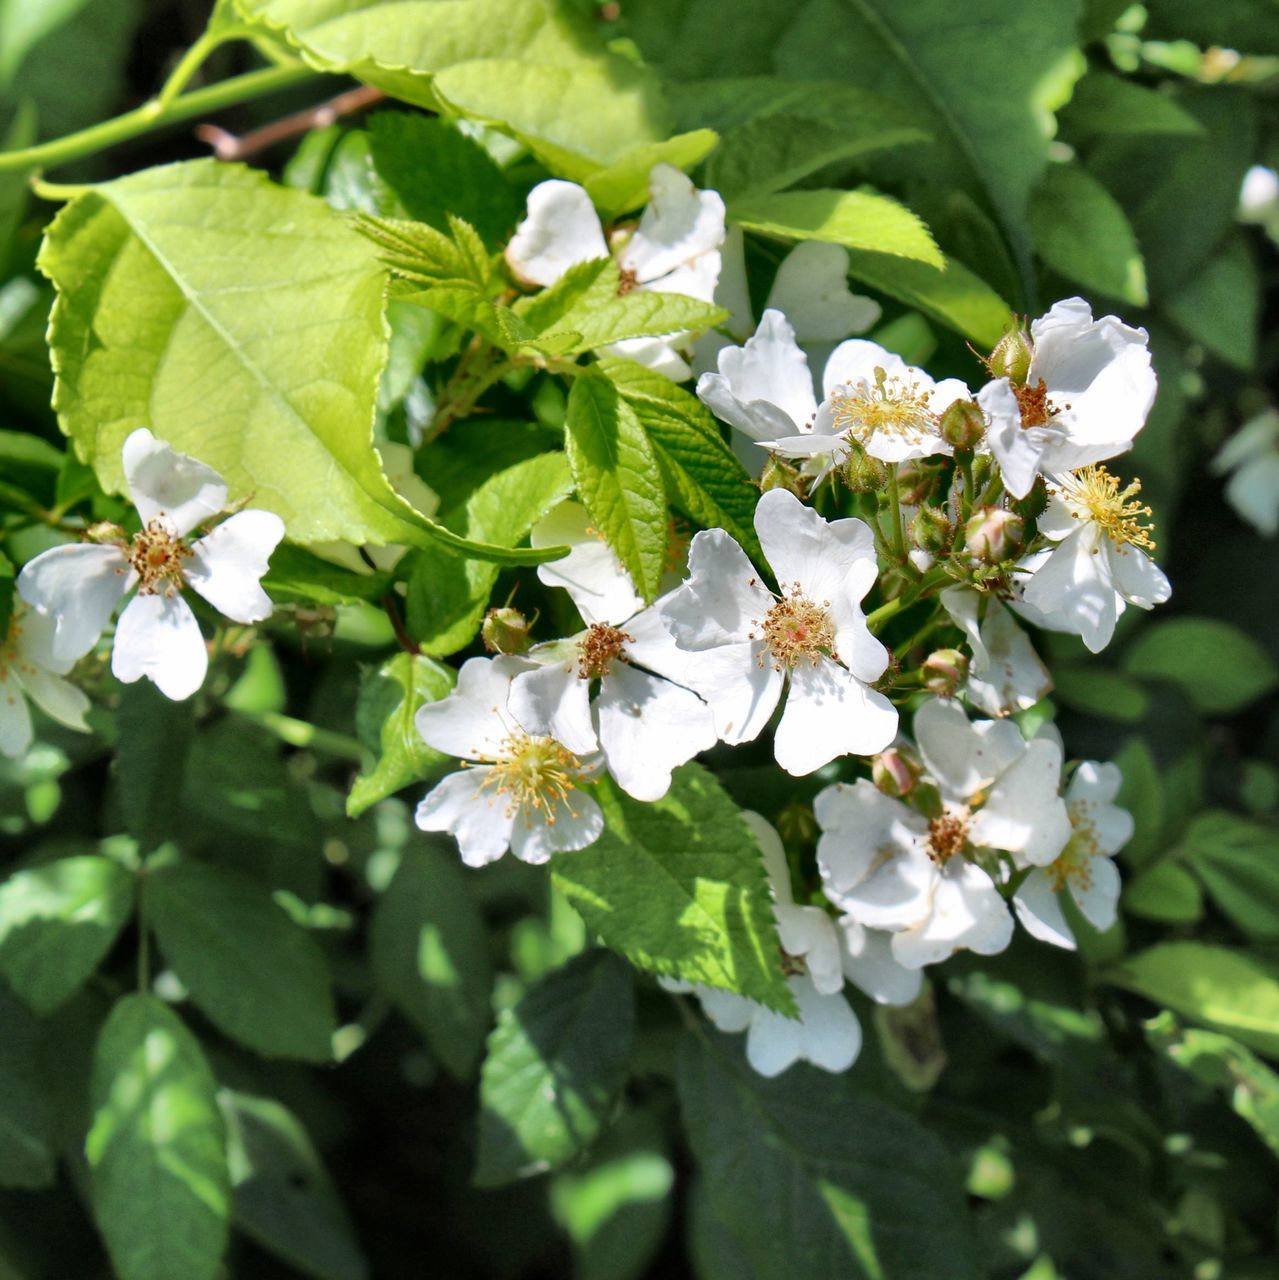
x: 1075, y: 1130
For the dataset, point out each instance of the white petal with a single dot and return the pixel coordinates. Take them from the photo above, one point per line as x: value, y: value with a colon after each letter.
x: 1071, y: 590
x: 1098, y: 896
x: 811, y: 290
x: 657, y: 354
x: 810, y: 933
x: 739, y: 685
x: 696, y: 279
x: 32, y: 635
x: 57, y: 698
x: 1039, y: 910
x: 764, y: 388
x: 647, y: 727
x: 1253, y: 491
x: 554, y: 701
x: 968, y: 912
x: 476, y: 818
x: 1024, y: 813
x: 561, y: 230
x: 573, y: 824
x: 726, y: 1009
x: 964, y: 756
x: 1018, y: 450
x: 679, y: 225
x: 78, y: 586
x: 15, y: 718
x: 733, y: 294
x: 773, y: 853
x: 163, y: 482
x: 472, y: 722
x: 158, y: 637
x: 898, y: 894
x: 1137, y: 577
x: 1009, y: 675
x: 830, y: 713
x: 1094, y: 783
x: 869, y: 964
x: 723, y: 600
x: 227, y: 564
x: 828, y: 1034
x: 591, y: 572
x: 859, y: 824
x: 854, y: 362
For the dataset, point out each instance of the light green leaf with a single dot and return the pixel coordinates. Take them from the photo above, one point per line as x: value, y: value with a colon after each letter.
x: 1166, y: 892
x: 679, y: 888
x: 618, y: 478
x: 1229, y: 991
x: 1105, y: 104
x: 157, y: 1147
x: 1238, y: 862
x: 448, y: 597
x: 389, y: 699
x: 28, y: 1137
x: 297, y: 575
x: 862, y: 220
x: 221, y: 933
x: 1220, y: 306
x: 555, y: 1061
x: 1082, y: 233
x: 282, y: 1196
x: 622, y: 185
x: 1217, y: 666
x: 810, y: 1178
x: 57, y: 921
x: 703, y: 477
x: 429, y: 954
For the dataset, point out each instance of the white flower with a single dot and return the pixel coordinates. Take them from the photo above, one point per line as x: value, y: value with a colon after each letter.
x: 889, y: 866
x: 1087, y: 394
x: 1099, y: 563
x: 1005, y: 674
x: 1259, y: 199
x: 519, y: 788
x: 748, y: 645
x: 870, y: 965
x: 79, y: 585
x: 675, y: 249
x: 1084, y: 869
x: 645, y: 723
x: 28, y: 669
x: 1252, y: 454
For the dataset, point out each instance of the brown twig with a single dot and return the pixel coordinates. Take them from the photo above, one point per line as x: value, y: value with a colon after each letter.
x: 229, y: 146
x: 406, y: 641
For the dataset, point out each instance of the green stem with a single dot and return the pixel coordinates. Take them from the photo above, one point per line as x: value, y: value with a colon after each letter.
x: 301, y: 733
x: 194, y: 59
x: 154, y: 115
x: 895, y: 515
x: 886, y: 612
x: 965, y: 460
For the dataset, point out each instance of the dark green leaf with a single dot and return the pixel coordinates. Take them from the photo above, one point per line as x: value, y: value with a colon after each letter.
x: 155, y: 735
x: 1104, y: 104
x: 1238, y: 862
x: 28, y: 1141
x: 1220, y: 306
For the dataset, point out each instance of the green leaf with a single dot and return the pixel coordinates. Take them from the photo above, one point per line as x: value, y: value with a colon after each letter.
x: 1238, y: 862
x: 955, y: 297
x: 679, y: 888
x: 862, y: 220
x: 282, y: 1196
x: 555, y: 1061
x: 1142, y: 794
x: 429, y: 954
x: 6, y: 593
x: 1101, y: 692
x: 622, y: 185
x: 57, y: 921
x: 1166, y: 892
x: 702, y: 475
x: 389, y: 699
x: 154, y: 739
x: 221, y: 933
x: 1221, y: 305
x: 297, y: 575
x: 447, y: 597
x: 28, y: 1136
x: 157, y: 1147
x: 810, y: 1178
x: 1229, y: 991
x: 1107, y: 104
x: 1083, y: 234
x: 618, y: 477
x: 1217, y: 666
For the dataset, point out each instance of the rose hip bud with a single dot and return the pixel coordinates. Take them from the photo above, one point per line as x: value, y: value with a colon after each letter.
x: 896, y: 772
x: 1011, y: 357
x: 930, y: 530
x: 505, y: 630
x: 944, y: 671
x: 862, y: 473
x: 994, y: 535
x: 963, y: 425
x: 778, y: 473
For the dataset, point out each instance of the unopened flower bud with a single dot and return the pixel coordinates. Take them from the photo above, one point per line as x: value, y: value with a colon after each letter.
x: 505, y: 630
x: 1011, y: 357
x: 862, y: 473
x: 796, y: 824
x: 930, y: 530
x: 994, y: 535
x: 944, y: 671
x: 963, y: 424
x: 780, y: 474
x: 896, y: 772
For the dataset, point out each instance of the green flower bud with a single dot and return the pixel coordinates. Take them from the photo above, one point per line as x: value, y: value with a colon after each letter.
x: 963, y: 424
x: 862, y: 473
x: 994, y: 534
x: 944, y: 671
x: 778, y: 473
x: 897, y: 771
x: 1011, y: 357
x: 930, y: 530
x: 505, y: 630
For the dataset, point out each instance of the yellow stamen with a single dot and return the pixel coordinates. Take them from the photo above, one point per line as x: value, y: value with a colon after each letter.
x: 156, y: 555
x: 535, y: 773
x: 796, y: 628
x: 1121, y: 518
x: 891, y: 405
x: 599, y: 647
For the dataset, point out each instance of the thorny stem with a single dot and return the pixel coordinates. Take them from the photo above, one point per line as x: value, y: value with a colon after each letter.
x: 886, y: 612
x: 895, y: 515
x: 965, y: 462
x: 480, y: 368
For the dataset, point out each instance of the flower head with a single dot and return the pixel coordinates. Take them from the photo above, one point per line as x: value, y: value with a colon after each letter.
x: 29, y: 669
x: 78, y: 585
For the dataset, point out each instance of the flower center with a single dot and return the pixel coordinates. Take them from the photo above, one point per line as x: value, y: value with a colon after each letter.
x: 1121, y: 518
x: 534, y: 773
x: 1074, y: 863
x: 796, y: 628
x: 601, y: 644
x: 156, y: 555
x: 947, y: 837
x: 891, y: 405
x: 1036, y: 409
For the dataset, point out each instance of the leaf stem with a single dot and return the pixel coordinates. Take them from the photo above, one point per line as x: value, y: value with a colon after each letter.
x: 895, y: 515
x: 154, y: 115
x: 303, y: 734
x: 194, y: 59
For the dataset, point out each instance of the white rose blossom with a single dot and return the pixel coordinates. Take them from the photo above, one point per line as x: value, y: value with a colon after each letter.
x: 78, y: 585
x: 1251, y: 459
x: 1006, y: 674
x: 1085, y: 868
x: 519, y: 788
x: 747, y: 645
x: 645, y: 723
x: 29, y: 670
x: 675, y: 249
x: 1099, y: 564
x: 889, y: 866
x: 1087, y: 394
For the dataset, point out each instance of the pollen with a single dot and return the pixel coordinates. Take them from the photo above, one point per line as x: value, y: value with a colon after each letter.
x: 892, y: 405
x: 534, y: 774
x: 601, y: 645
x: 1036, y: 409
x: 1124, y: 520
x: 796, y: 629
x: 947, y: 836
x: 156, y: 555
x: 1074, y: 863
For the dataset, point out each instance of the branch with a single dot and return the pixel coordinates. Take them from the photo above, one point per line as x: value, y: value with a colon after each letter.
x: 227, y: 146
